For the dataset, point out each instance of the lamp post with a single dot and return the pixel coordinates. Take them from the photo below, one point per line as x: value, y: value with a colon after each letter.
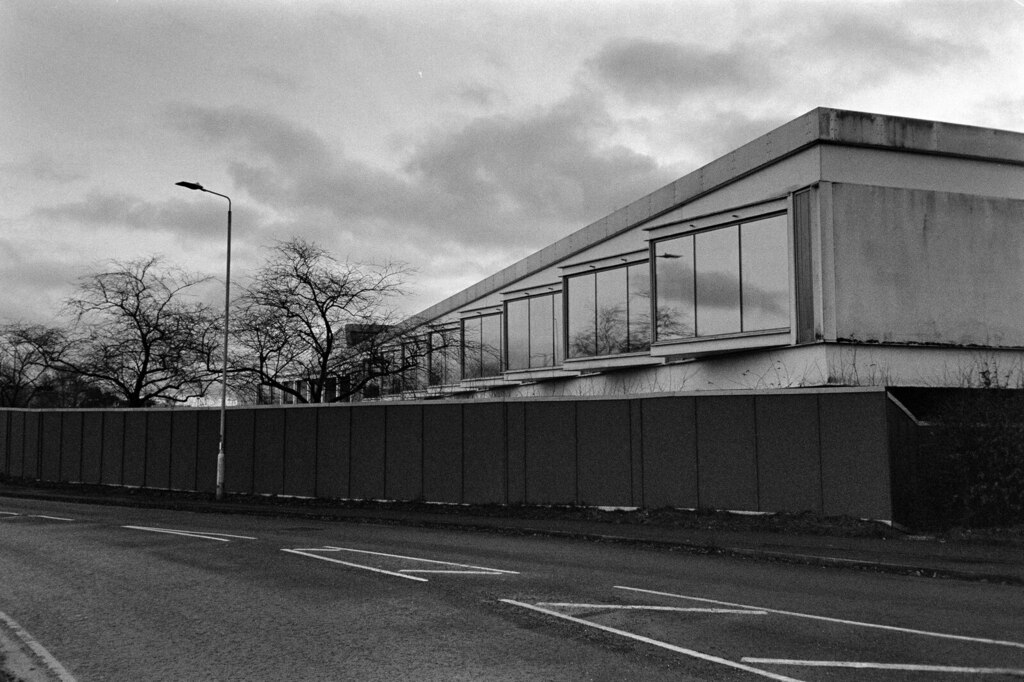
x: 227, y: 318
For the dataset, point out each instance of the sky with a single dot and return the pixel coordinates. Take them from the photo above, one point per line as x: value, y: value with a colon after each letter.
x: 453, y: 137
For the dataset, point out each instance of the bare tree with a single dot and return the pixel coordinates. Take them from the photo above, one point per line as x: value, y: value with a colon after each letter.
x: 24, y: 367
x: 315, y: 328
x: 140, y: 334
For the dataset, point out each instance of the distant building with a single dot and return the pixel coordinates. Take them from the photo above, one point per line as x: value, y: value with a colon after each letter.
x: 841, y: 248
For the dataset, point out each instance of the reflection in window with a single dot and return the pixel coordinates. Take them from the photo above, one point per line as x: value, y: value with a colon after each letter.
x: 481, y: 346
x: 534, y: 331
x: 724, y: 281
x: 609, y: 311
x: 443, y: 358
x: 717, y: 255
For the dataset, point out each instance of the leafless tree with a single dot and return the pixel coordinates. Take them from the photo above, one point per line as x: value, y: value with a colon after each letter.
x: 138, y: 331
x: 318, y: 329
x: 24, y: 369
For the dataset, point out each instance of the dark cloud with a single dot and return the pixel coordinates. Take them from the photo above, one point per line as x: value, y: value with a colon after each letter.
x: 499, y: 180
x: 863, y: 48
x: 99, y: 211
x: 42, y: 168
x: 506, y: 173
x: 661, y: 71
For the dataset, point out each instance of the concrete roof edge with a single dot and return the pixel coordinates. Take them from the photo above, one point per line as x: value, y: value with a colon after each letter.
x: 820, y: 125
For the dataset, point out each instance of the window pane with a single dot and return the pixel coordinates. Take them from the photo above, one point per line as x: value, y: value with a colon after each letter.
x: 542, y: 331
x: 582, y: 311
x: 471, y: 348
x: 611, y: 311
x: 639, y: 307
x: 765, y: 274
x: 444, y: 357
x: 558, y: 331
x: 718, y: 281
x: 490, y: 345
x: 674, y: 275
x: 518, y: 316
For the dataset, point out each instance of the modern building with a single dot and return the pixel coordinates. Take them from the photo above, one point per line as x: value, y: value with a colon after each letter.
x: 840, y: 249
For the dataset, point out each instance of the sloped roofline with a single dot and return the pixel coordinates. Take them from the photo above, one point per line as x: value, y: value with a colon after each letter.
x: 818, y: 126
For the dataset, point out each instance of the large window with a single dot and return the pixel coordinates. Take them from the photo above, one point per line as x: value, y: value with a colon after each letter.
x: 481, y: 346
x: 728, y: 280
x: 609, y: 311
x: 534, y: 332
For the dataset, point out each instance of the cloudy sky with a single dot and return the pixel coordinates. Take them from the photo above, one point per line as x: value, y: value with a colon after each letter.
x: 455, y: 136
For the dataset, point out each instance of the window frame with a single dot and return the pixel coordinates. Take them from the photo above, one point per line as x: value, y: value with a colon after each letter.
x: 735, y: 222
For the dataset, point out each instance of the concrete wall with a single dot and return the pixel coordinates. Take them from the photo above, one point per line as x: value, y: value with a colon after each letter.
x: 825, y: 451
x: 915, y: 266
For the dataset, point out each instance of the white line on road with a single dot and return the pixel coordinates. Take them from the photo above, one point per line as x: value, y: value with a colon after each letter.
x: 910, y: 667
x: 428, y: 561
x: 446, y: 570
x: 647, y: 640
x: 52, y: 518
x: 38, y: 649
x: 219, y: 537
x: 841, y: 621
x: 9, y: 513
x: 644, y: 607
x: 309, y: 553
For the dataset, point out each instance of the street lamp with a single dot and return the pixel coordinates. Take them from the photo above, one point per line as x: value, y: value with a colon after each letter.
x: 227, y: 318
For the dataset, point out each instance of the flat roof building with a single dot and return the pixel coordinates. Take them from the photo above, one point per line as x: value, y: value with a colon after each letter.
x: 842, y: 248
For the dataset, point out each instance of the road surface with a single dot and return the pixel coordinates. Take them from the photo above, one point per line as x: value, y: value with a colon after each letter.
x: 114, y: 593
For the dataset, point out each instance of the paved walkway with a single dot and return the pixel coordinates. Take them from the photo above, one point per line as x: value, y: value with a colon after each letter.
x: 903, y: 554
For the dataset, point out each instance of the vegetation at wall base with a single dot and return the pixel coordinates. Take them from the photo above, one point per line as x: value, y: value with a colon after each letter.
x: 977, y: 477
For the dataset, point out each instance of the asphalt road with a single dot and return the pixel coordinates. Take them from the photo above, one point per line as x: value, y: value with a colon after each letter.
x: 135, y: 594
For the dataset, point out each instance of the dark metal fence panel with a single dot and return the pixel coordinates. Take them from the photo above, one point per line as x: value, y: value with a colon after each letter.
x: 332, y: 452
x: 184, y: 449
x: 550, y: 438
x: 510, y: 427
x: 669, y: 434
x: 369, y: 423
x: 207, y: 439
x: 112, y: 466
x: 71, y: 447
x: 49, y: 446
x: 134, y: 473
x: 727, y: 452
x: 159, y: 436
x: 788, y: 454
x: 300, y: 452
x: 268, y: 451
x: 31, y: 453
x: 855, y: 455
x: 92, y: 446
x: 442, y: 454
x: 604, y: 453
x: 16, y: 445
x: 403, y: 478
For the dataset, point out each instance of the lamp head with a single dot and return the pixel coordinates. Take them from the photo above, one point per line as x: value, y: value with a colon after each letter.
x: 189, y: 185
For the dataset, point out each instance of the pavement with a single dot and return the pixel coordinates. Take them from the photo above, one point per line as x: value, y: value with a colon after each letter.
x: 839, y: 545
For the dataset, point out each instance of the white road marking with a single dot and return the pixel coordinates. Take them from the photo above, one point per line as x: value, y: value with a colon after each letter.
x: 644, y: 607
x: 841, y: 621
x: 910, y: 667
x: 443, y: 570
x: 219, y: 537
x: 428, y: 561
x: 308, y: 553
x: 38, y: 649
x: 647, y: 640
x: 9, y: 513
x: 52, y: 518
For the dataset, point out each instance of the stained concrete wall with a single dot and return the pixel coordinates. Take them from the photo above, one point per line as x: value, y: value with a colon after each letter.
x: 825, y: 451
x: 926, y: 267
